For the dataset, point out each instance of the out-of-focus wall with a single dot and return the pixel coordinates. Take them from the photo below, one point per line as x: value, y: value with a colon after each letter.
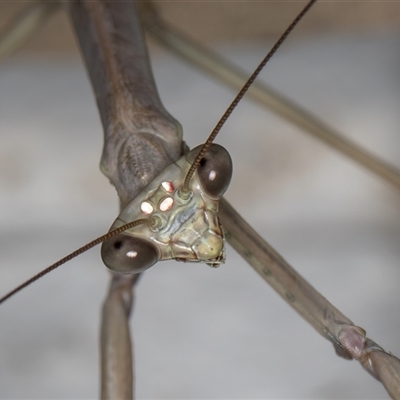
x: 221, y: 21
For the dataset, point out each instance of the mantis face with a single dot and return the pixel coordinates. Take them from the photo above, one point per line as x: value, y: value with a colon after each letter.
x: 185, y: 228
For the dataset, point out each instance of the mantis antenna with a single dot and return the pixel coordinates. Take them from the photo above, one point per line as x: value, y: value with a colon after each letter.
x: 185, y: 190
x: 76, y: 253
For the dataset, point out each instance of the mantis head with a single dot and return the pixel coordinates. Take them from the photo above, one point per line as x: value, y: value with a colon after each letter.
x: 183, y: 225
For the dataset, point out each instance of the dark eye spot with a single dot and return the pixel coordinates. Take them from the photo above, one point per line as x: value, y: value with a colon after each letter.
x: 215, y: 171
x: 129, y: 254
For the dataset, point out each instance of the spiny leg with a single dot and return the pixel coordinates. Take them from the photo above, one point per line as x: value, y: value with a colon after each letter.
x: 349, y: 340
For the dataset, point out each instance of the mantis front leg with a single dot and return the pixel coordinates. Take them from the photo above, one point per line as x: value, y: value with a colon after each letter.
x: 140, y: 140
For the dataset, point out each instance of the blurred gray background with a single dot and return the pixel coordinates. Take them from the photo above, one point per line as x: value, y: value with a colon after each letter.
x: 198, y: 332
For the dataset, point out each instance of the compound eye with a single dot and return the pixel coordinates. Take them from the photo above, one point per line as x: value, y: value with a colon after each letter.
x: 127, y: 254
x: 215, y: 171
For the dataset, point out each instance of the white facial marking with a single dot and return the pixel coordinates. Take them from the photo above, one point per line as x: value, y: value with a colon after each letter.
x: 146, y: 208
x: 166, y: 204
x: 168, y: 186
x: 212, y: 175
x: 131, y: 254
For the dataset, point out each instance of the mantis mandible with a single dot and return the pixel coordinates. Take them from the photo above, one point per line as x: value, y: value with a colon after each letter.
x: 166, y: 266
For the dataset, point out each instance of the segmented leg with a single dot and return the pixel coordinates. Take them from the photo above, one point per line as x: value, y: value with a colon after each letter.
x: 348, y: 339
x: 117, y: 371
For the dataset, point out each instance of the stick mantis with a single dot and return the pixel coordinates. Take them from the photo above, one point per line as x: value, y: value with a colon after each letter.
x: 154, y: 273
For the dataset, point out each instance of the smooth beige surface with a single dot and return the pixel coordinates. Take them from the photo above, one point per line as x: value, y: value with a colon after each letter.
x: 229, y: 20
